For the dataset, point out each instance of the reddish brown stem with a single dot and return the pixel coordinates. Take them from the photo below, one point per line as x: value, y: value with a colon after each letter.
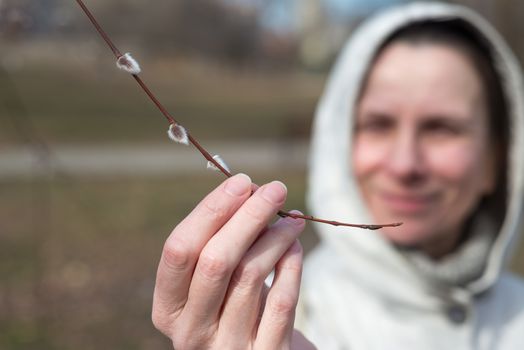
x: 198, y: 146
x: 172, y: 120
x: 97, y: 26
x: 153, y: 98
x: 336, y: 223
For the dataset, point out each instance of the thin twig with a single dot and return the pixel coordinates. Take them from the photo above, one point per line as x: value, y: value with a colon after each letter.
x: 197, y: 145
x: 99, y: 29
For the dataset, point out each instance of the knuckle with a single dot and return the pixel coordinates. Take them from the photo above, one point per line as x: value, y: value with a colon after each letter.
x: 214, y: 209
x: 213, y: 267
x: 294, y: 263
x: 282, y: 304
x: 257, y: 214
x: 294, y: 266
x: 161, y: 322
x: 176, y: 254
x: 248, y: 275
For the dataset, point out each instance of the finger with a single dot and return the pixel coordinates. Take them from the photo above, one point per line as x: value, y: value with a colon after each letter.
x: 224, y: 251
x: 276, y: 325
x: 299, y: 341
x: 185, y: 243
x: 241, y: 308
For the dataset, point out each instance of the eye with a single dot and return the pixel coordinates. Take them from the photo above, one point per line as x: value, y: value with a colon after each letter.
x: 443, y: 127
x: 376, y: 123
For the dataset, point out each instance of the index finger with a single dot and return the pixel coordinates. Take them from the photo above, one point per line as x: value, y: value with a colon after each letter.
x: 184, y: 244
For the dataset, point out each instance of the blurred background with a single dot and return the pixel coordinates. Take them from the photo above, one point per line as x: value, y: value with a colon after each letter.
x: 90, y: 186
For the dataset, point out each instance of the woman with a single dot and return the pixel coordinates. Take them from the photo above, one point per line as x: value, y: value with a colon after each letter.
x: 421, y: 122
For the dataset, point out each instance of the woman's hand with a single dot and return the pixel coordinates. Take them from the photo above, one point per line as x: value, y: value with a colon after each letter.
x: 210, y: 290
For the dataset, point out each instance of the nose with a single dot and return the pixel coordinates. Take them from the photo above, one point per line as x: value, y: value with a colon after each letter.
x: 405, y: 160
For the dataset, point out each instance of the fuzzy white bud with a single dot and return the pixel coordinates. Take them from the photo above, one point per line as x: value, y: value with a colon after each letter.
x: 127, y: 63
x: 220, y: 161
x: 178, y: 133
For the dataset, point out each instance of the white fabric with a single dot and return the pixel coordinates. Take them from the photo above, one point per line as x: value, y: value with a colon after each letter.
x: 358, y: 291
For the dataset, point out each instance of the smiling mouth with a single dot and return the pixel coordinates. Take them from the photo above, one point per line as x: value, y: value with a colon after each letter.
x: 408, y: 203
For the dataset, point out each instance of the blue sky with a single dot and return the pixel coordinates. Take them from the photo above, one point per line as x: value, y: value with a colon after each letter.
x: 357, y: 6
x: 279, y: 13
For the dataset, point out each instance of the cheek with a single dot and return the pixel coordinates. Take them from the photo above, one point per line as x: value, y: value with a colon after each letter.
x: 367, y: 156
x: 457, y: 162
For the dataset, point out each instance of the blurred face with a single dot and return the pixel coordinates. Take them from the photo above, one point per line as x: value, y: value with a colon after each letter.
x: 421, y: 153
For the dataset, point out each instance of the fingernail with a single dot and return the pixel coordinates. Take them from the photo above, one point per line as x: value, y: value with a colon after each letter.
x: 297, y: 221
x: 238, y: 185
x: 274, y: 192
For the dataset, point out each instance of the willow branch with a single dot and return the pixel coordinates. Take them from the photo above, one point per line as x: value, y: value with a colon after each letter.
x: 127, y: 60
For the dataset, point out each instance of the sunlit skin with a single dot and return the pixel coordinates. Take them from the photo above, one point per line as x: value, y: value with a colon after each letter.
x: 421, y: 149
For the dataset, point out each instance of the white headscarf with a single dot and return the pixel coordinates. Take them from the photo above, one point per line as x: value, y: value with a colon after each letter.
x: 333, y: 192
x: 348, y: 256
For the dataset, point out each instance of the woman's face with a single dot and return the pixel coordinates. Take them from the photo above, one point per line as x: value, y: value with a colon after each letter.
x: 421, y: 153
